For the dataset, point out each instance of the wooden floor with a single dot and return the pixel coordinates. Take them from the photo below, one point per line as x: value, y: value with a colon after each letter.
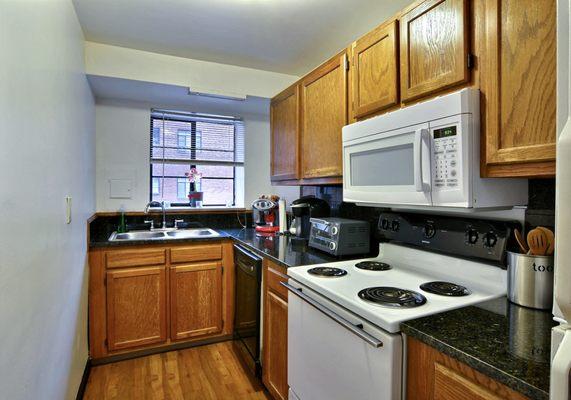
x: 206, y: 372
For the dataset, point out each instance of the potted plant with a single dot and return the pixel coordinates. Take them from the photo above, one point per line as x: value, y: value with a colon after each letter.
x: 194, y: 196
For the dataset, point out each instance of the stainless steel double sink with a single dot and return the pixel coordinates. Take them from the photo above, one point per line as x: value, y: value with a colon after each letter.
x: 164, y: 234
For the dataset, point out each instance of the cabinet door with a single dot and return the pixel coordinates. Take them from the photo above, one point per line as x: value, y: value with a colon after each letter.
x: 196, y: 300
x: 431, y: 375
x: 275, y: 365
x: 433, y: 47
x: 518, y: 81
x: 323, y: 114
x: 284, y: 121
x: 136, y: 307
x: 375, y: 70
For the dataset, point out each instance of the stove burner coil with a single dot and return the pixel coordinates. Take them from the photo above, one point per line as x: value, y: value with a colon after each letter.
x: 327, y: 271
x: 445, y: 289
x: 373, y: 266
x: 392, y: 297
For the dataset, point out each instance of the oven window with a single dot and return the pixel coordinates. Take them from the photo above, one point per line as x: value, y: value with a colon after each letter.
x: 389, y: 166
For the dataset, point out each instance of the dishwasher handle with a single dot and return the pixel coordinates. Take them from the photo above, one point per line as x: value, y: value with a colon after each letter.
x: 355, y: 329
x: 247, y: 253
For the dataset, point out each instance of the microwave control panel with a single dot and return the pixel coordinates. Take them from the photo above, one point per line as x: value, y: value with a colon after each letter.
x: 446, y: 159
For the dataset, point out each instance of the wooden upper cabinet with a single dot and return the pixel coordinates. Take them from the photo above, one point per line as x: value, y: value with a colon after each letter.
x: 323, y: 115
x: 518, y: 83
x: 196, y: 300
x: 136, y: 307
x: 374, y: 70
x: 284, y: 126
x: 434, y: 47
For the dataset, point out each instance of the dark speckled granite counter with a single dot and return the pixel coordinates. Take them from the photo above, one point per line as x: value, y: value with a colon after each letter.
x: 506, y: 342
x: 280, y: 249
x: 104, y: 242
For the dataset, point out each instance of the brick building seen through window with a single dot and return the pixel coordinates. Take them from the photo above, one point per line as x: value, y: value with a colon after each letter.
x: 214, y: 145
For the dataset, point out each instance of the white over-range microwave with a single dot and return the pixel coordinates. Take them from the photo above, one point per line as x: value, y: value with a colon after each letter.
x: 425, y: 155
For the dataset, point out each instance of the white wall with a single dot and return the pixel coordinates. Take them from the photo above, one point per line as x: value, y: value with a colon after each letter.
x: 122, y: 152
x: 46, y: 109
x: 257, y: 165
x: 200, y: 76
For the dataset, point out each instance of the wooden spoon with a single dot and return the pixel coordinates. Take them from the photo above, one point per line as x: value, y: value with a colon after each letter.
x: 550, y: 240
x: 537, y: 241
x: 522, y: 244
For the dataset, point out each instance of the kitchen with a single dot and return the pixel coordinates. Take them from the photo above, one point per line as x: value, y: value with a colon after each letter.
x: 285, y: 200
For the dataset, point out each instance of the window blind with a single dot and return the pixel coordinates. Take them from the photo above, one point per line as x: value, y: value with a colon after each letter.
x: 212, y: 144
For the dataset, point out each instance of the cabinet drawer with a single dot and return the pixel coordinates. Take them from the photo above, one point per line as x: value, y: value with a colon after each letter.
x: 196, y: 253
x: 135, y: 258
x: 450, y: 385
x: 275, y: 275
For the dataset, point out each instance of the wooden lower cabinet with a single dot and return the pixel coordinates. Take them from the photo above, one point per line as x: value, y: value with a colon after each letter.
x: 274, y: 352
x: 134, y: 306
x: 196, y: 300
x: 432, y: 375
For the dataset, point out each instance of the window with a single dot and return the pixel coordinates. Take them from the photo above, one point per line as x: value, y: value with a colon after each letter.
x: 182, y: 188
x: 184, y: 139
x: 156, y: 136
x: 214, y: 145
x: 156, y: 186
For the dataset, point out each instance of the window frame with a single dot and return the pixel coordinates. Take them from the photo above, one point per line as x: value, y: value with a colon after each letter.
x: 196, y: 136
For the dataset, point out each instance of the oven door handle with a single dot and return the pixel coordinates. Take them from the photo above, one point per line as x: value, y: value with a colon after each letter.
x: 355, y: 329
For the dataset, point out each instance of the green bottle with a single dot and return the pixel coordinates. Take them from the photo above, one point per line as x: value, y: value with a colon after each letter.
x: 122, y: 227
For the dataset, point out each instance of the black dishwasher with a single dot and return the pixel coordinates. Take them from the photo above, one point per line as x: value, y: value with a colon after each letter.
x: 247, y: 306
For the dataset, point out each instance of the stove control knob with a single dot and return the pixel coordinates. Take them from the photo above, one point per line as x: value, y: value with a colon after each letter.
x: 332, y: 246
x: 490, y: 239
x: 472, y: 236
x: 385, y: 224
x: 429, y: 230
x: 334, y: 230
x: 395, y: 226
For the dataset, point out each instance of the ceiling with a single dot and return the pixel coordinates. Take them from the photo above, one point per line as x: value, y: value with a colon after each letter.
x: 287, y: 36
x: 165, y: 96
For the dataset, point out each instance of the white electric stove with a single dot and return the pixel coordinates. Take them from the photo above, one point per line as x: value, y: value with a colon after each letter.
x: 344, y: 318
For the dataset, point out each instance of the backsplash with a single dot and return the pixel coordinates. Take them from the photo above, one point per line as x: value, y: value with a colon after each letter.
x: 541, y: 207
x: 103, y: 226
x: 540, y: 211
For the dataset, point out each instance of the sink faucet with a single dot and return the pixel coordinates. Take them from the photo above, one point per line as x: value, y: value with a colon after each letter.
x: 162, y: 204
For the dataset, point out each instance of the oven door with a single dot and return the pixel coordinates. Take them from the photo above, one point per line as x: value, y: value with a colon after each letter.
x: 390, y: 168
x: 335, y: 355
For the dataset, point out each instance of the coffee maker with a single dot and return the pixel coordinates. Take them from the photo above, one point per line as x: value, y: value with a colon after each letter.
x: 265, y: 214
x: 303, y: 210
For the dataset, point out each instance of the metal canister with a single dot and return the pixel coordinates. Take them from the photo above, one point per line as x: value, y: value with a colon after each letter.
x: 530, y: 280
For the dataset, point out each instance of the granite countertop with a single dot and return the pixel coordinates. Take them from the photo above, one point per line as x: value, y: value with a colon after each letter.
x: 105, y: 242
x: 504, y: 341
x: 280, y: 249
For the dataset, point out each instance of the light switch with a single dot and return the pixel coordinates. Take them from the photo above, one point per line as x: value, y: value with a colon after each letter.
x: 68, y: 209
x: 120, y: 188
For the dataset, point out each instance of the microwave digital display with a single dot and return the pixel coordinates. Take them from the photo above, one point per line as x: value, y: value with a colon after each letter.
x: 445, y: 132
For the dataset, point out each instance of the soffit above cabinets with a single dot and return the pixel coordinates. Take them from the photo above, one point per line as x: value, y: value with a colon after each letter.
x: 290, y: 37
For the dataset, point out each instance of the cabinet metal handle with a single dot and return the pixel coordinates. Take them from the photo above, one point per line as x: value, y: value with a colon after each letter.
x: 355, y: 329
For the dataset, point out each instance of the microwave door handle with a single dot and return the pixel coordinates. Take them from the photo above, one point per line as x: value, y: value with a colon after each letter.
x: 422, y: 159
x: 425, y: 155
